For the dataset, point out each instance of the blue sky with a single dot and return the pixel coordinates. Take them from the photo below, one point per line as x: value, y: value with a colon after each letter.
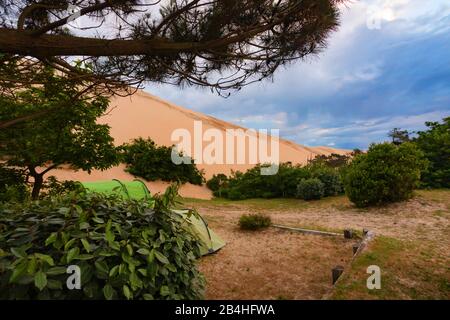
x: 387, y: 66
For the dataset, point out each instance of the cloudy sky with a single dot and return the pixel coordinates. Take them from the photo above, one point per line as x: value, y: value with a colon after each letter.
x: 388, y: 66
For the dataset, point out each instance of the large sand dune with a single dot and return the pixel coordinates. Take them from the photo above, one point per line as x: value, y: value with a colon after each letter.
x: 144, y: 115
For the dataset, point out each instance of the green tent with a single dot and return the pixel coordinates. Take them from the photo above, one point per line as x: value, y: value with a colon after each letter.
x: 137, y: 189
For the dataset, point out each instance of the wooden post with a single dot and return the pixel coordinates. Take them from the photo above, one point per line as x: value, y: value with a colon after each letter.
x: 348, y: 234
x: 336, y: 273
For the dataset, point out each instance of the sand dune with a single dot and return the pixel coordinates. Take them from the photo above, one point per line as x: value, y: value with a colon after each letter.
x: 144, y: 115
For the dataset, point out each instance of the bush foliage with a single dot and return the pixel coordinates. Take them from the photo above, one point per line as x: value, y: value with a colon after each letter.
x: 125, y: 249
x: 435, y: 144
x: 386, y: 173
x: 254, y: 222
x: 151, y: 162
x: 284, y: 184
x: 252, y: 184
x: 12, y: 185
x: 330, y: 178
x: 310, y: 189
x: 65, y: 133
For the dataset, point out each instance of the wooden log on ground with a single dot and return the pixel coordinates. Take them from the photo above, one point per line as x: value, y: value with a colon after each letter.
x: 307, y: 231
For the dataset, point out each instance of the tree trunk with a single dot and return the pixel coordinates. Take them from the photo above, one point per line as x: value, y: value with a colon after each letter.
x: 38, y: 182
x: 37, y: 186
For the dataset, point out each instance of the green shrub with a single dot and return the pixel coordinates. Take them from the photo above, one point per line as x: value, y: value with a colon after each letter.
x: 145, y: 159
x: 217, y: 184
x: 331, y: 161
x: 254, y: 221
x: 125, y: 249
x: 332, y: 183
x: 386, y: 173
x: 12, y: 185
x: 435, y: 144
x: 252, y: 184
x: 54, y: 187
x: 310, y: 189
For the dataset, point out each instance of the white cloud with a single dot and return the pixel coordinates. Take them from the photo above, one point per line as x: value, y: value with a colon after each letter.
x: 363, y: 132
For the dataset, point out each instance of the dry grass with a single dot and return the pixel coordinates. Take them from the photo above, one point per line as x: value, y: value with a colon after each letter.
x: 272, y: 264
x: 412, y: 248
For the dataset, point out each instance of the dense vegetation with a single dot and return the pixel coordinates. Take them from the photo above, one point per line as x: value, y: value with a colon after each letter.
x: 12, y: 184
x: 147, y: 160
x: 124, y: 249
x: 254, y: 222
x: 284, y: 184
x: 386, y: 173
x: 435, y: 144
x: 310, y: 189
x: 67, y: 132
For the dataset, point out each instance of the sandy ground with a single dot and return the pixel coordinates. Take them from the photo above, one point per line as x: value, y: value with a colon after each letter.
x: 277, y: 264
x: 272, y: 264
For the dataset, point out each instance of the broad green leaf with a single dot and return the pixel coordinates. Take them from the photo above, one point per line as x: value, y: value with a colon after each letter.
x: 18, y: 252
x: 108, y: 292
x: 162, y: 258
x: 86, y: 245
x: 32, y: 265
x: 78, y: 209
x: 46, y: 258
x: 69, y: 244
x: 114, y: 270
x: 143, y: 272
x: 127, y: 292
x: 52, y: 238
x: 72, y: 254
x: 19, y: 271
x: 164, y: 291
x: 40, y: 280
x: 130, y: 249
x: 171, y: 268
x: 84, y: 225
x: 56, y: 271
x: 135, y: 281
x: 84, y: 257
x: 144, y: 251
x: 102, y: 266
x: 98, y: 220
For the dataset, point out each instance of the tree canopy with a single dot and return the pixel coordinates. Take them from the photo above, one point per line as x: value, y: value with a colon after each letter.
x: 221, y: 44
x: 69, y: 135
x: 435, y: 144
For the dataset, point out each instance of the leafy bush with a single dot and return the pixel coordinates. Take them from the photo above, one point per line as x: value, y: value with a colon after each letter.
x: 435, y: 144
x: 254, y: 221
x: 125, y: 249
x: 54, y: 187
x: 252, y: 184
x: 310, y: 189
x: 147, y: 160
x: 217, y: 183
x: 332, y: 183
x: 386, y: 173
x: 12, y: 185
x: 333, y: 160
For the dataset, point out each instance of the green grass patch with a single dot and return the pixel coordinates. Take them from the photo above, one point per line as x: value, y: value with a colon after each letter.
x: 407, y: 272
x: 282, y: 204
